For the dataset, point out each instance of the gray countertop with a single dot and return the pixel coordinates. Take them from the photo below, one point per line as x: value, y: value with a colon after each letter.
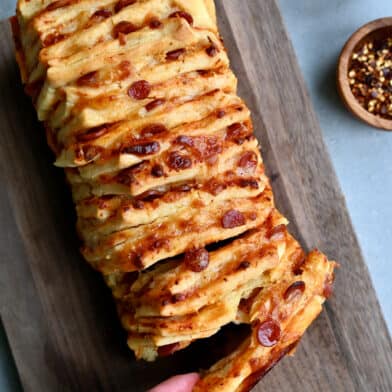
x: 361, y: 155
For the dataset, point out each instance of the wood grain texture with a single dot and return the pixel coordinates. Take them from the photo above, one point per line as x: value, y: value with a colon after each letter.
x: 59, y: 317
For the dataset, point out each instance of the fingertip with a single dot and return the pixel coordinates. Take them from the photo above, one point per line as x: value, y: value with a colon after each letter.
x: 181, y: 383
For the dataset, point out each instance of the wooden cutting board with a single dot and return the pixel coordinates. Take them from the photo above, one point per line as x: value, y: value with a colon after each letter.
x: 58, y: 315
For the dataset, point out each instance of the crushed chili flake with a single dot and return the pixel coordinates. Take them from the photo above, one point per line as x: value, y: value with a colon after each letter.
x: 370, y: 77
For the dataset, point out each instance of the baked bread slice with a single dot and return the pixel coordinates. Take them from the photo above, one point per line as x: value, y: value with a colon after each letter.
x: 140, y: 108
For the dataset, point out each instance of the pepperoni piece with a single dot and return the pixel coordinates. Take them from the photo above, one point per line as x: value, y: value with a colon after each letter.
x: 89, y: 80
x: 152, y: 130
x: 182, y: 188
x: 138, y: 204
x: 150, y: 195
x: 294, y: 291
x: 101, y: 15
x: 197, y: 260
x: 154, y: 23
x: 174, y: 54
x: 93, y: 133
x: 277, y: 233
x: 178, y: 298
x: 182, y: 14
x: 122, y: 4
x: 244, y: 265
x: 248, y: 161
x: 185, y: 140
x: 125, y: 178
x: 214, y: 187
x: 204, y: 72
x: 154, y: 104
x: 58, y: 4
x: 168, y: 349
x: 233, y: 218
x: 328, y: 286
x: 268, y: 333
x: 146, y: 148
x: 251, y: 183
x: 139, y: 90
x: 220, y: 113
x: 179, y: 162
x: 123, y: 27
x: 124, y: 70
x: 52, y: 39
x: 157, y: 170
x: 237, y: 133
x: 90, y: 152
x: 212, y: 50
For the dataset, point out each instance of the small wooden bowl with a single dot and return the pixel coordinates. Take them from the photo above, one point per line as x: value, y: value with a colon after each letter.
x: 378, y: 29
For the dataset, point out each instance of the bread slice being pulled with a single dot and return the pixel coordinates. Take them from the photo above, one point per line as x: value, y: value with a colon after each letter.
x: 174, y: 209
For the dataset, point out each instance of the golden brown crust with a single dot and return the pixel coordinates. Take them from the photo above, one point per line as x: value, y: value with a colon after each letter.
x: 140, y: 108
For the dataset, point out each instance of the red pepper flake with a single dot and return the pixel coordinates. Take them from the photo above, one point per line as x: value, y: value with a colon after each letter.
x: 197, y: 260
x: 152, y: 130
x: 168, y: 349
x: 370, y: 77
x: 122, y: 4
x: 155, y: 23
x: 268, y: 333
x: 294, y: 291
x: 174, y: 54
x: 139, y: 90
x: 88, y: 80
x: 93, y: 133
x: 179, y: 162
x: 154, y: 104
x: 182, y: 14
x: 157, y: 170
x: 52, y: 39
x: 233, y: 218
x: 141, y: 149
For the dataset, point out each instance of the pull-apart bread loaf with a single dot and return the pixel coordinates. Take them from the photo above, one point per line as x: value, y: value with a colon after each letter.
x: 174, y: 209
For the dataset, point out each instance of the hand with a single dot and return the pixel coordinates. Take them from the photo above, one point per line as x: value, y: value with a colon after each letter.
x: 183, y: 383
